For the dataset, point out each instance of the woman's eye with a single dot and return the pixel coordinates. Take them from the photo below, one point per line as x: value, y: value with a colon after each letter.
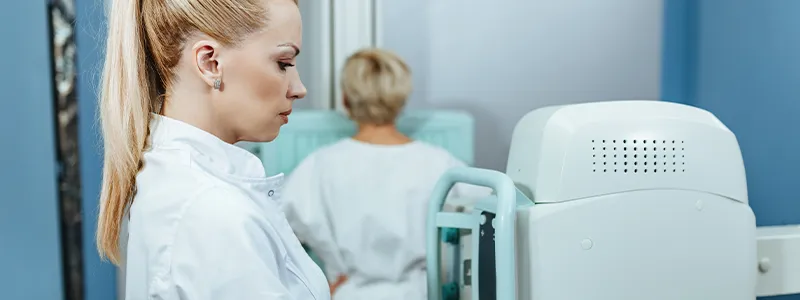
x: 284, y: 65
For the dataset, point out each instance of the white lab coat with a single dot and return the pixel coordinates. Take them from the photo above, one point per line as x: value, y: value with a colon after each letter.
x: 362, y: 208
x: 206, y: 225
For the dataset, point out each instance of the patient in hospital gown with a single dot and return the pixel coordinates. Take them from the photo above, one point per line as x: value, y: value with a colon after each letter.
x: 361, y: 203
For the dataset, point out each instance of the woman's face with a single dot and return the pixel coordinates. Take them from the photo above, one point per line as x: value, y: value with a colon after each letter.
x: 259, y: 79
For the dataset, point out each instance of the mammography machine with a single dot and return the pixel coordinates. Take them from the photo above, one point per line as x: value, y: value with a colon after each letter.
x: 613, y: 200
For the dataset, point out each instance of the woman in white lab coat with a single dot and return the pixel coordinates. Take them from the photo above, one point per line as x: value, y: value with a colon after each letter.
x: 361, y: 203
x: 183, y: 81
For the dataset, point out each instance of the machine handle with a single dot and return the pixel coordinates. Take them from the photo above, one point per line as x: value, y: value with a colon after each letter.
x: 506, y: 215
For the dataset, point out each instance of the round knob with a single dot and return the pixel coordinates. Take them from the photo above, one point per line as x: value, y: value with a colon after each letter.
x: 764, y: 265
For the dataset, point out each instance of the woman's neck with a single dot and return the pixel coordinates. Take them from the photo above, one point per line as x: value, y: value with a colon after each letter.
x: 381, y: 135
x: 194, y: 109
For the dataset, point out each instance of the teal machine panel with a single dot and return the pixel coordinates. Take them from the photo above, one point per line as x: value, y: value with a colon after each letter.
x: 311, y: 129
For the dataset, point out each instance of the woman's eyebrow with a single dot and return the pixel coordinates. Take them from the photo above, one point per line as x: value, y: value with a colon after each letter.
x: 293, y: 46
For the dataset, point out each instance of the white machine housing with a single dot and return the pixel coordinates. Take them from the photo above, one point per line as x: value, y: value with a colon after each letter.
x: 633, y: 200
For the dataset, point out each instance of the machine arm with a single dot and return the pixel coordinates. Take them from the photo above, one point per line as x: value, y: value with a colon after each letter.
x: 506, y: 219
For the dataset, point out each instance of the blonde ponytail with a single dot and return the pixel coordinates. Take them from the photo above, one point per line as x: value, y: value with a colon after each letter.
x: 127, y: 93
x: 144, y: 44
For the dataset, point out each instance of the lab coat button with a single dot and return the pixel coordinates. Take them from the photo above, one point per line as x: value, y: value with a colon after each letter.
x: 271, y: 192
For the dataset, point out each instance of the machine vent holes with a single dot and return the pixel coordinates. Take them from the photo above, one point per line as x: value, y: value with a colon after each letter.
x: 645, y: 154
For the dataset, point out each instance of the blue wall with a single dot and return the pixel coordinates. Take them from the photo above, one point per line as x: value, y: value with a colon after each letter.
x: 740, y: 59
x: 30, y: 246
x: 100, y: 277
x: 749, y: 76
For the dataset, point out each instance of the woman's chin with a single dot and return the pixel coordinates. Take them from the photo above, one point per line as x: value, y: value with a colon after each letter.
x: 270, y: 135
x: 267, y: 138
x: 262, y: 137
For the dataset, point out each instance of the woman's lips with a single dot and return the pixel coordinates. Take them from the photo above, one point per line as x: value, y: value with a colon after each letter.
x: 285, y: 116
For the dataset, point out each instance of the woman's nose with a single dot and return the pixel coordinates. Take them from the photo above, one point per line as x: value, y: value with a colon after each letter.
x: 297, y: 90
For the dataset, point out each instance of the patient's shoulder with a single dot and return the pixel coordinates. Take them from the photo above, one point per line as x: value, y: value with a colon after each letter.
x: 438, y: 153
x: 431, y: 148
x: 347, y: 150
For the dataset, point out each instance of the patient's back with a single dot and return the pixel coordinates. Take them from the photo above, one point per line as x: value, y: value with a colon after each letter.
x: 375, y: 201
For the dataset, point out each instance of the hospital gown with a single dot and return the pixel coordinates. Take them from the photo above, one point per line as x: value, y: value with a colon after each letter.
x: 362, y: 208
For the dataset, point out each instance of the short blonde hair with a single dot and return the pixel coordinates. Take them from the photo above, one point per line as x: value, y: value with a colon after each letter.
x: 375, y: 84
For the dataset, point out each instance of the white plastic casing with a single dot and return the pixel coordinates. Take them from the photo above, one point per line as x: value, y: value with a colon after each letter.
x: 634, y: 200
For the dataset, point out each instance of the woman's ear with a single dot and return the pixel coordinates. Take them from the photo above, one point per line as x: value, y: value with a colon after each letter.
x: 208, y: 65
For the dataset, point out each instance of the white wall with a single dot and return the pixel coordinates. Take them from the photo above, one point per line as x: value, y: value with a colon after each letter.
x: 311, y: 63
x: 503, y: 59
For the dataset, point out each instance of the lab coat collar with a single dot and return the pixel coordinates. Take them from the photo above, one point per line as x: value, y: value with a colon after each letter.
x: 231, y: 163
